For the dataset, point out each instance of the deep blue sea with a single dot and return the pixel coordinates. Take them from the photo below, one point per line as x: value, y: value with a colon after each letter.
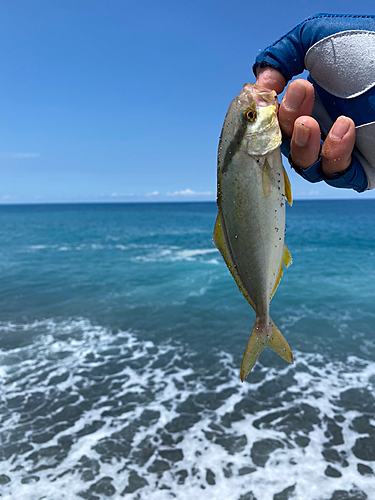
x: 121, y: 338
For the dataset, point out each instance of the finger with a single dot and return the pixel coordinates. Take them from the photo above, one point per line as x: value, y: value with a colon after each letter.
x: 305, y: 142
x: 338, y: 147
x: 271, y: 79
x: 298, y: 101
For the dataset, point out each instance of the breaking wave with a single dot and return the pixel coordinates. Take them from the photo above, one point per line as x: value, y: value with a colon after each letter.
x: 95, y: 413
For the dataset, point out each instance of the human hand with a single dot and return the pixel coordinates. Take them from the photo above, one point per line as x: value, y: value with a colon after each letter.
x: 296, y: 122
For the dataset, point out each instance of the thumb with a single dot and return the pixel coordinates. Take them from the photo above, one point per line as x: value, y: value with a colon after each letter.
x: 271, y: 79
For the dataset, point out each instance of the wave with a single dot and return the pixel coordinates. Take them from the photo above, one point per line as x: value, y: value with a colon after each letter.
x: 173, y: 254
x: 92, y: 412
x: 154, y: 252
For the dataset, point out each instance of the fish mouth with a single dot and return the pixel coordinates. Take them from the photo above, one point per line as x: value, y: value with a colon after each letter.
x: 263, y: 97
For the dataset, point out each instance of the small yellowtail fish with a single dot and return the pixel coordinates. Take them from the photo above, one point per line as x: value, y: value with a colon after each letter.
x: 249, y: 231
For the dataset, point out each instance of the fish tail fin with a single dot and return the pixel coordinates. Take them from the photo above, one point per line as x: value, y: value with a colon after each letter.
x: 261, y: 337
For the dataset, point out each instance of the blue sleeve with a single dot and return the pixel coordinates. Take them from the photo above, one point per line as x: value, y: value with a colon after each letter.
x: 354, y: 177
x: 288, y: 53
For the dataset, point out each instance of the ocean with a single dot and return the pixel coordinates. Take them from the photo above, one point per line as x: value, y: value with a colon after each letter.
x: 121, y: 339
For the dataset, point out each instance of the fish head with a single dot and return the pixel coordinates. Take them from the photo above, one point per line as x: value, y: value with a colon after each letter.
x: 259, y: 111
x: 251, y: 124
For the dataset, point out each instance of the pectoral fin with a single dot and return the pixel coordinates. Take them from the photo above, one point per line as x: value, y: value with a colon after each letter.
x: 266, y: 179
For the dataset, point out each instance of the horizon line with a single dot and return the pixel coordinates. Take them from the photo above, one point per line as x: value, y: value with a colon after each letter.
x: 154, y: 202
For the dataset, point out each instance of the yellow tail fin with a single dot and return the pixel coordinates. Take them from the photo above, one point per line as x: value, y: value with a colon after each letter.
x: 261, y: 337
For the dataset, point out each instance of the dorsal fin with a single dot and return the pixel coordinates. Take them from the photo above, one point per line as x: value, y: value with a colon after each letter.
x: 219, y: 241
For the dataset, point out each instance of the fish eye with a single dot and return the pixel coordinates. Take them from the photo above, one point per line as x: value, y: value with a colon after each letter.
x: 250, y: 115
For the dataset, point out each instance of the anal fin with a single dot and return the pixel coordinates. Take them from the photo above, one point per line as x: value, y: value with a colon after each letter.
x: 287, y: 256
x: 286, y: 260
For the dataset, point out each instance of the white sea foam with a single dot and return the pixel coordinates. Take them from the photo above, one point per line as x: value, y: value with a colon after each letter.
x: 35, y: 248
x: 90, y: 410
x: 173, y: 254
x: 100, y: 246
x: 140, y: 253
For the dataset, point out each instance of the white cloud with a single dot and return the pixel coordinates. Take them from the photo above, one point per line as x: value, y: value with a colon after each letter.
x: 115, y: 195
x: 154, y: 193
x: 313, y: 192
x: 19, y: 156
x: 190, y: 192
x: 7, y: 197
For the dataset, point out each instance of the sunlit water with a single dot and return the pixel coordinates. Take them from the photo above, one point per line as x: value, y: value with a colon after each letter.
x: 121, y: 337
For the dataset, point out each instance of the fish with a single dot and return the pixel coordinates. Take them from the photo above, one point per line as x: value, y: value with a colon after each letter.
x: 252, y: 186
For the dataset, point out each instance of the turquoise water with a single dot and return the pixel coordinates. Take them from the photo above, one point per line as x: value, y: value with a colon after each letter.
x: 121, y: 337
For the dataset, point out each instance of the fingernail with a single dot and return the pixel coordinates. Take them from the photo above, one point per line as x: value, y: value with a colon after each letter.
x: 294, y: 96
x: 340, y: 127
x: 301, y: 135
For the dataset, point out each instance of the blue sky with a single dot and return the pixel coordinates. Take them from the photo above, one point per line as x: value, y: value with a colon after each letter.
x: 124, y: 100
